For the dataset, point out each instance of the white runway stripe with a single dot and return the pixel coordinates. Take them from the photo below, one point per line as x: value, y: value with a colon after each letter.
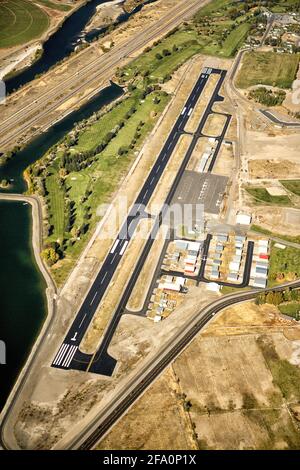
x: 72, y: 355
x: 60, y: 353
x: 68, y: 355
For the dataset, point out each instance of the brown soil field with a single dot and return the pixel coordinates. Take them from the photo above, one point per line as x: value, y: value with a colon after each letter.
x: 225, y: 387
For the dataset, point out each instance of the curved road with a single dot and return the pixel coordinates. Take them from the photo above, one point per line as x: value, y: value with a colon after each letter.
x: 134, y: 389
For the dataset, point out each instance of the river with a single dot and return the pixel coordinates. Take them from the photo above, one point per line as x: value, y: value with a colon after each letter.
x: 22, y: 287
x: 65, y: 40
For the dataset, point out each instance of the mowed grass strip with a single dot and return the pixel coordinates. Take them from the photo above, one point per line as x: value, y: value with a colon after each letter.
x: 268, y: 68
x: 91, y: 137
x: 158, y: 68
x: 285, y: 263
x: 292, y: 185
x: 292, y: 309
x: 20, y: 21
x: 107, y: 172
x: 54, y: 6
x: 213, y: 7
x: 262, y: 195
x: 56, y: 207
x: 234, y: 40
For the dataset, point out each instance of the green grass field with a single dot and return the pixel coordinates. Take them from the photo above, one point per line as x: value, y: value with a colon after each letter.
x: 291, y: 309
x: 54, y: 6
x: 234, y: 40
x: 96, y: 132
x: 262, y: 196
x: 268, y: 68
x: 284, y: 5
x: 284, y: 262
x: 56, y: 207
x: 213, y: 7
x: 285, y: 375
x: 20, y: 22
x: 292, y: 185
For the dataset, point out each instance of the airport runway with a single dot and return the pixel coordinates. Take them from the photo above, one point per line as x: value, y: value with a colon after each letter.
x: 69, y: 356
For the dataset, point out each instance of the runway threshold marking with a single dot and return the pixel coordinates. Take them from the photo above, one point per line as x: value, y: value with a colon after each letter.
x: 69, y: 356
x: 115, y: 246
x: 60, y: 353
x: 124, y: 247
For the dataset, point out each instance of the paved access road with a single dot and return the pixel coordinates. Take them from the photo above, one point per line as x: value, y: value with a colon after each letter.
x: 69, y: 356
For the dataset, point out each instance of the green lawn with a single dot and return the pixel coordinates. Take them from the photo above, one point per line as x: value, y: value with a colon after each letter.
x: 91, y: 137
x: 232, y: 290
x: 234, y: 40
x: 56, y: 207
x: 284, y: 264
x: 209, y: 33
x: 20, y: 22
x: 268, y: 68
x: 284, y: 5
x: 54, y: 6
x: 292, y: 309
x: 262, y: 195
x: 292, y: 185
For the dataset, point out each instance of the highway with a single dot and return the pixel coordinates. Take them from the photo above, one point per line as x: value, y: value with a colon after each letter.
x: 92, y: 75
x: 69, y: 356
x: 153, y: 368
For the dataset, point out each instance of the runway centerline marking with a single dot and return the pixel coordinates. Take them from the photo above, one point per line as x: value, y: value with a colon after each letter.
x: 103, y: 277
x: 82, y: 321
x: 94, y: 298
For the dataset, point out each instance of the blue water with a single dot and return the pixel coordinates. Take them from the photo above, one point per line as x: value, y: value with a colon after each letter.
x: 64, y: 41
x: 59, y: 45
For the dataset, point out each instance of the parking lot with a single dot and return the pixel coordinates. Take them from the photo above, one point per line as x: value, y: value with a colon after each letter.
x: 201, y: 188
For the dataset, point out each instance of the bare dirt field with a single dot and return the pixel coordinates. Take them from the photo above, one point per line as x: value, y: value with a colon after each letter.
x: 225, y: 161
x: 230, y: 387
x: 146, y: 431
x: 275, y: 169
x: 214, y: 125
x: 282, y: 220
x: 272, y: 155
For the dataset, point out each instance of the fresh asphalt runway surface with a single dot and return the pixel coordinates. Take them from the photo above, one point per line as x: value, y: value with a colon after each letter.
x: 69, y: 356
